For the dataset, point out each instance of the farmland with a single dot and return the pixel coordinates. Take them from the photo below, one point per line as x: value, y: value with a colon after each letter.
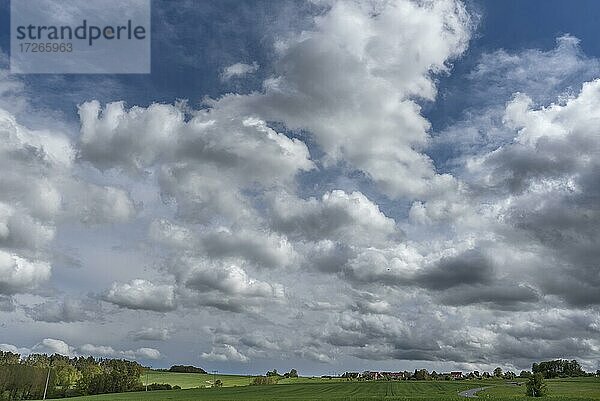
x: 305, y: 389
x: 194, y: 380
x: 567, y: 389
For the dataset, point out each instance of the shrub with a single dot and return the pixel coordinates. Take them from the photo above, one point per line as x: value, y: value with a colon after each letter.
x: 536, y: 386
x: 262, y: 380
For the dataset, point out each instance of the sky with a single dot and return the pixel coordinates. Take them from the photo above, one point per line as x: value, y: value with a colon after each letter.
x: 322, y: 185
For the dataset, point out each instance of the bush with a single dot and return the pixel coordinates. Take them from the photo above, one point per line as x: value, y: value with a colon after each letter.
x: 536, y: 386
x: 159, y: 386
x: 262, y: 380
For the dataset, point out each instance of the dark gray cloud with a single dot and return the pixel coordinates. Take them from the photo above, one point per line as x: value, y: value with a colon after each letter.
x: 7, y: 304
x: 469, y: 268
x: 503, y: 295
x: 150, y: 334
x: 66, y: 311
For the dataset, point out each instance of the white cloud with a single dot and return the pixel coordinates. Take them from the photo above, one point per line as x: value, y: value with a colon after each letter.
x: 363, y: 113
x: 143, y: 295
x: 224, y: 353
x: 53, y: 346
x: 21, y: 275
x: 14, y: 349
x: 350, y: 218
x: 228, y: 279
x: 107, y: 351
x: 238, y: 70
x: 148, y: 353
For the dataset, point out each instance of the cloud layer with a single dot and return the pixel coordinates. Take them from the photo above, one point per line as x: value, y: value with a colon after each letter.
x: 318, y: 220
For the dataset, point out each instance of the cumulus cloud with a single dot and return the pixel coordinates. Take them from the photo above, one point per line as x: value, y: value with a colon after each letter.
x: 148, y: 353
x: 262, y: 249
x: 142, y: 295
x: 350, y: 218
x: 203, y: 164
x: 14, y: 349
x: 40, y: 188
x: 366, y: 115
x: 229, y: 280
x: 21, y: 275
x: 224, y: 353
x: 551, y: 165
x: 53, y: 346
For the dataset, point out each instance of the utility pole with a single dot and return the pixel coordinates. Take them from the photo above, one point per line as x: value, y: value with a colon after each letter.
x: 47, y: 380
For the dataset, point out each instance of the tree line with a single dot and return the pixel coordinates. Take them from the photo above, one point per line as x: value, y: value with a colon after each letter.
x: 272, y: 376
x: 25, y: 378
x: 559, y: 368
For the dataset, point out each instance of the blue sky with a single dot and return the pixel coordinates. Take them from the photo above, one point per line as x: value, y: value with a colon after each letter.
x: 349, y: 199
x: 211, y: 35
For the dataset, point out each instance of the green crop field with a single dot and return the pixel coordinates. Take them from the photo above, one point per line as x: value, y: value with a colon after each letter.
x: 305, y: 389
x: 587, y: 388
x: 318, y: 391
x: 194, y: 380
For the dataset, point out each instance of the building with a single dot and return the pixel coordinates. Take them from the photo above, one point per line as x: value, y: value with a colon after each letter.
x: 456, y: 375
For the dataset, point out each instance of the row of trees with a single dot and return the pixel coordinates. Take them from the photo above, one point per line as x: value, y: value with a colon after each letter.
x: 272, y: 376
x: 186, y: 369
x: 25, y: 378
x: 558, y: 368
x: 274, y: 373
x: 22, y: 382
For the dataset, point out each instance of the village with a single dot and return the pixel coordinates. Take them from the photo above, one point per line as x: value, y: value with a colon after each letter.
x: 424, y: 374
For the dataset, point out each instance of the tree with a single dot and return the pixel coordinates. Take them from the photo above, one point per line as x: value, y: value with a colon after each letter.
x: 525, y: 374
x: 9, y: 358
x: 293, y: 373
x: 498, y: 372
x: 66, y: 374
x: 536, y: 386
x: 421, y: 374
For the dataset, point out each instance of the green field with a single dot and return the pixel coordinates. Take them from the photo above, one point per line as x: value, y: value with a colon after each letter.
x: 587, y: 388
x: 315, y: 389
x: 334, y: 391
x: 194, y: 380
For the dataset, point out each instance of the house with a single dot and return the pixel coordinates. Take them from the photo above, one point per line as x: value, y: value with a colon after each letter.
x: 456, y: 375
